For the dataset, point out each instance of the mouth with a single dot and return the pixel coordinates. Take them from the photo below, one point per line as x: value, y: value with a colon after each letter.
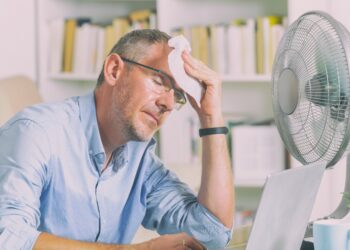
x: 154, y: 117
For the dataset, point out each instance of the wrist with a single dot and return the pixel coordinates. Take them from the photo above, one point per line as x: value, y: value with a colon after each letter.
x: 213, y: 131
x: 212, y: 121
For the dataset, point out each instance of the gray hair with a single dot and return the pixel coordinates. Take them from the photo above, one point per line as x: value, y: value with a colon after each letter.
x: 133, y: 45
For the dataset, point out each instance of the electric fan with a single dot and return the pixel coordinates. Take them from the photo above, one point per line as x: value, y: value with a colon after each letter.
x: 311, y: 92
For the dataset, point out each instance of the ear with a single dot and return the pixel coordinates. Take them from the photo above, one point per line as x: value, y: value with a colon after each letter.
x: 112, y: 68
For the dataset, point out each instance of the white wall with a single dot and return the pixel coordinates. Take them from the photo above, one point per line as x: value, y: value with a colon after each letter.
x: 17, y: 43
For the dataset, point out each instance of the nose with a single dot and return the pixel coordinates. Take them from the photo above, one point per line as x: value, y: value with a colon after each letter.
x: 166, y: 100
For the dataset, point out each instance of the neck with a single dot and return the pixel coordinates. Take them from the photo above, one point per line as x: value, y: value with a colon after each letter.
x: 109, y: 131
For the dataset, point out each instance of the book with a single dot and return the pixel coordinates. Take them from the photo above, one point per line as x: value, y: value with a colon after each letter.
x: 153, y: 21
x: 218, y: 45
x: 69, y: 37
x: 268, y: 23
x: 195, y: 42
x: 100, y: 49
x: 141, y: 19
x: 249, y: 47
x: 256, y: 152
x: 84, y: 48
x: 140, y: 15
x: 71, y: 41
x: 235, y: 41
x: 92, y: 50
x: 109, y: 39
x: 260, y: 53
x: 57, y: 30
x: 203, y: 37
x: 121, y: 26
x: 277, y: 32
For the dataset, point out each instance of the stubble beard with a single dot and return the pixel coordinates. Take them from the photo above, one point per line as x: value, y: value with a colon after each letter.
x: 124, y: 121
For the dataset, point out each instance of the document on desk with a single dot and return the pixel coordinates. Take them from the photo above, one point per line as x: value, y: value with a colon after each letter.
x: 285, y: 207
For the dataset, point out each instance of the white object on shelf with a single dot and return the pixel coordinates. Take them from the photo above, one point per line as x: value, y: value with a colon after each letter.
x: 257, y: 151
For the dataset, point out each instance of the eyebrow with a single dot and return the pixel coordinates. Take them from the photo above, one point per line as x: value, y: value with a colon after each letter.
x: 162, y: 72
x: 151, y: 68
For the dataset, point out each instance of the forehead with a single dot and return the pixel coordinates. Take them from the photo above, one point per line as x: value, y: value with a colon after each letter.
x: 157, y: 57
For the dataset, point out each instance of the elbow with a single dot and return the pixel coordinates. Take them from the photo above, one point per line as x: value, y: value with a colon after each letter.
x: 16, y: 236
x: 218, y: 241
x: 228, y: 220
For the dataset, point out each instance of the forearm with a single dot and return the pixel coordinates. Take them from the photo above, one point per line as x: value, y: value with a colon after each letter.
x: 216, y: 192
x: 47, y: 241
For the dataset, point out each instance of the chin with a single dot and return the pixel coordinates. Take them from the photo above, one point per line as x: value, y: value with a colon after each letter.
x: 141, y: 133
x: 143, y: 136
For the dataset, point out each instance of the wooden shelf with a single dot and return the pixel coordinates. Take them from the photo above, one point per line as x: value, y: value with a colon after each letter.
x: 246, y: 78
x: 74, y: 77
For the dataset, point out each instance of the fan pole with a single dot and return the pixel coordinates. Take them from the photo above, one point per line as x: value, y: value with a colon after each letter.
x: 342, y: 210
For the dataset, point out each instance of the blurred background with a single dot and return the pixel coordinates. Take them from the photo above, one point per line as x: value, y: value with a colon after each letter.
x: 59, y: 47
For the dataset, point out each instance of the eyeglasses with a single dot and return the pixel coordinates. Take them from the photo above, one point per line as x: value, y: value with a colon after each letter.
x: 163, y: 83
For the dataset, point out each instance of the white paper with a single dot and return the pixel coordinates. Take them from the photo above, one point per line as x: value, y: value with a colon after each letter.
x: 190, y: 85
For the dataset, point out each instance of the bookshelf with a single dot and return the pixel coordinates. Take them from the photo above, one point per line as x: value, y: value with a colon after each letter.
x: 55, y: 87
x: 226, y: 79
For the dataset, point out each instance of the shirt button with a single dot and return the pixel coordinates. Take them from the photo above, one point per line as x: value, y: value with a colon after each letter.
x: 100, y: 158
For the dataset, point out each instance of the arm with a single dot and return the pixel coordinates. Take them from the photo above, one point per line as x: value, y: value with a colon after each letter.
x: 176, y: 241
x: 216, y: 192
x: 172, y: 208
x: 24, y: 172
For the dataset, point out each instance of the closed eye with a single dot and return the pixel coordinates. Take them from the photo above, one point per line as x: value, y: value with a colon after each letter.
x: 157, y: 82
x: 157, y: 79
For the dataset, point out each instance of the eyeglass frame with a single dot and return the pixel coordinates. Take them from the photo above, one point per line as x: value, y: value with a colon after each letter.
x: 176, y: 91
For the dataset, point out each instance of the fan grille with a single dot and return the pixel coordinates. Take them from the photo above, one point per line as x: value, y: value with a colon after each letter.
x: 315, y: 49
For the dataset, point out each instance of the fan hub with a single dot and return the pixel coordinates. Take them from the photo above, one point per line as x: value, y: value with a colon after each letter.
x: 288, y: 91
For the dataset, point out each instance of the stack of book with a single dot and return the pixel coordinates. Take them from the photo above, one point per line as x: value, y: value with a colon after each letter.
x: 241, y: 47
x: 79, y: 46
x: 257, y: 151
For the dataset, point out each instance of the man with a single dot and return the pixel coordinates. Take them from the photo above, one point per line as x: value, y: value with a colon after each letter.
x: 82, y: 174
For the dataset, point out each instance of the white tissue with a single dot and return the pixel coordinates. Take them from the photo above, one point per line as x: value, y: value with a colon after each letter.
x: 176, y: 65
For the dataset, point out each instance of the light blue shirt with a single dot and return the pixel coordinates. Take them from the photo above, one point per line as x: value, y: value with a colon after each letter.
x: 51, y: 156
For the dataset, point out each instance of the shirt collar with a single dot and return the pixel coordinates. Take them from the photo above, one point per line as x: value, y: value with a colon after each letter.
x: 87, y: 107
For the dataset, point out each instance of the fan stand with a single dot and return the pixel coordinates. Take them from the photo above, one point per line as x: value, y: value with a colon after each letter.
x: 342, y: 210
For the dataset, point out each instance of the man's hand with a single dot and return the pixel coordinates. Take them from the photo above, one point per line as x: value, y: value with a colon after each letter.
x: 179, y: 241
x: 175, y: 242
x: 210, y: 113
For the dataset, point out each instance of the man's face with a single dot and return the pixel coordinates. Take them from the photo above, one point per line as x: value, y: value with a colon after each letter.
x: 137, y: 104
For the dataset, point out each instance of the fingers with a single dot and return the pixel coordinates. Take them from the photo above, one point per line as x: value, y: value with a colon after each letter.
x: 193, y: 102
x: 180, y: 241
x: 191, y: 243
x: 199, y: 70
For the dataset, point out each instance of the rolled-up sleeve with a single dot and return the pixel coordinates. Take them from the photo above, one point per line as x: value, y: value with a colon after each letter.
x: 24, y: 152
x: 172, y: 208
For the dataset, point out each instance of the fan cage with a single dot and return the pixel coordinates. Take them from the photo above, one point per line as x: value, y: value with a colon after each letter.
x: 316, y: 48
